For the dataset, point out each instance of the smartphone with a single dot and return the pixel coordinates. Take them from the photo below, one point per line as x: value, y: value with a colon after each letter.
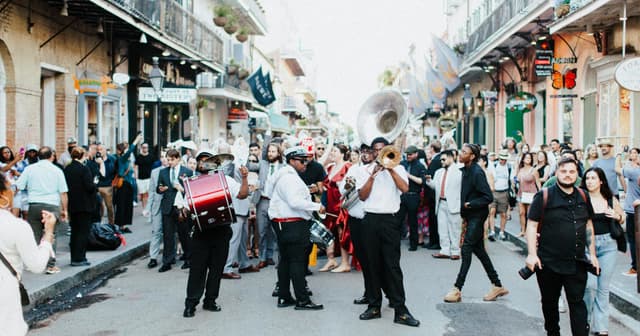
x: 21, y: 150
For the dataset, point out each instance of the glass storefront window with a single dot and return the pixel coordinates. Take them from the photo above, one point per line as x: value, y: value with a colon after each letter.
x: 614, y: 117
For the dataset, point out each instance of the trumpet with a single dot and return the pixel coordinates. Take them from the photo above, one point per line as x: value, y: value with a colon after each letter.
x: 389, y: 157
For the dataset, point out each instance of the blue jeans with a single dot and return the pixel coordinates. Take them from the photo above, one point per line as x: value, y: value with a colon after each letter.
x: 596, y: 295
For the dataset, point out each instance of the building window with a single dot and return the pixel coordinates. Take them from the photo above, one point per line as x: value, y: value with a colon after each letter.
x: 614, y: 113
x: 567, y: 120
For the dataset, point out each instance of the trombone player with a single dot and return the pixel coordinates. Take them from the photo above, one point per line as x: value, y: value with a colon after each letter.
x: 380, y: 193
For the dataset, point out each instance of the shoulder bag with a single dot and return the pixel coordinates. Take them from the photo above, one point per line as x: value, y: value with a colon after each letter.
x: 119, y: 180
x: 24, y: 296
x: 617, y: 233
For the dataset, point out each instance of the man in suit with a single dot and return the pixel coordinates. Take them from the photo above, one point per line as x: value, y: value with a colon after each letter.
x: 271, y: 162
x: 447, y: 183
x: 82, y: 204
x: 155, y: 215
x: 169, y: 184
x: 435, y: 164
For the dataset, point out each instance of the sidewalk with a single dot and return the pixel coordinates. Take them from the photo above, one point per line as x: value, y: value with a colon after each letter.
x: 623, y: 294
x: 42, y: 287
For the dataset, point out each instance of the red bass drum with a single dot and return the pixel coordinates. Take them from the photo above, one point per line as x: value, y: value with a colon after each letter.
x: 209, y: 200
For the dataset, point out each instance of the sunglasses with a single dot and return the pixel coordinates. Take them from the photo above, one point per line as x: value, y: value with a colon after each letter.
x: 303, y: 161
x: 320, y: 148
x: 253, y: 161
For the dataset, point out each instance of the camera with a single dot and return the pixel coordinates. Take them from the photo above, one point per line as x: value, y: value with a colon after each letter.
x: 98, y: 155
x: 525, y: 273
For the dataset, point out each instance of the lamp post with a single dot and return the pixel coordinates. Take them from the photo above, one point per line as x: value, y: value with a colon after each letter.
x: 468, y: 107
x: 156, y: 77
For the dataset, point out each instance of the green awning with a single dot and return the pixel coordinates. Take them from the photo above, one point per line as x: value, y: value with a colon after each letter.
x: 279, y: 123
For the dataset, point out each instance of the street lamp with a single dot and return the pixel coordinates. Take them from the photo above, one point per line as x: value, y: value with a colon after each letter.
x: 156, y: 77
x: 468, y: 106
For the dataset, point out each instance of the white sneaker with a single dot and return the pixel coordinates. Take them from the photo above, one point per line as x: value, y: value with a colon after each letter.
x: 492, y: 236
x: 145, y: 213
x: 502, y: 236
x: 561, y: 307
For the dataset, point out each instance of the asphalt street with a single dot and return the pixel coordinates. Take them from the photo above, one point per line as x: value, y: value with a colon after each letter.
x: 140, y: 301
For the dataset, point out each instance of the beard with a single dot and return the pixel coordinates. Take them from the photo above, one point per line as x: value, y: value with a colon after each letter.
x: 565, y: 185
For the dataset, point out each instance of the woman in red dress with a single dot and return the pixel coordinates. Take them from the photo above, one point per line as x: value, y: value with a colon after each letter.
x: 336, y: 172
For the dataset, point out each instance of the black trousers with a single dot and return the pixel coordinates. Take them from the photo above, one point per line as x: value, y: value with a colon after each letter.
x: 293, y: 239
x: 631, y: 238
x: 381, y: 237
x: 474, y: 244
x: 434, y: 237
x: 80, y: 223
x: 123, y: 202
x: 550, y: 284
x: 357, y: 239
x: 409, y: 208
x: 170, y: 225
x: 209, y: 254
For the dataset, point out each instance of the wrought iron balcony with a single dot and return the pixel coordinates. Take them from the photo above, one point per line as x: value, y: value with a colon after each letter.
x: 507, y: 15
x: 251, y: 14
x: 171, y: 19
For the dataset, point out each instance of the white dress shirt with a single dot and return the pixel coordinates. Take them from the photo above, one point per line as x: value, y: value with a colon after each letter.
x: 20, y: 249
x: 385, y: 195
x: 290, y: 197
x: 358, y: 172
x: 268, y: 184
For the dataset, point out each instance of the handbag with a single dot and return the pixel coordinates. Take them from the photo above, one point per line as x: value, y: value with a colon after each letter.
x: 617, y: 233
x: 24, y: 296
x: 526, y: 197
x: 119, y: 180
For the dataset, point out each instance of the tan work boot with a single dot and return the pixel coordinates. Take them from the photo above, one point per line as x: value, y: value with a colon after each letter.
x: 495, y: 292
x: 454, y: 295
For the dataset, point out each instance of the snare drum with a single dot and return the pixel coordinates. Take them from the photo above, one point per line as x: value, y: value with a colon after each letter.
x: 209, y: 200
x: 320, y: 234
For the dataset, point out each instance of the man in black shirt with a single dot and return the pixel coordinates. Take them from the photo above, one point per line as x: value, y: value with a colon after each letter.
x: 143, y: 166
x: 558, y: 255
x: 475, y: 197
x: 411, y: 199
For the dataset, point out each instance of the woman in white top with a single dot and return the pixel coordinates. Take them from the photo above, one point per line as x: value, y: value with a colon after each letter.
x: 20, y: 249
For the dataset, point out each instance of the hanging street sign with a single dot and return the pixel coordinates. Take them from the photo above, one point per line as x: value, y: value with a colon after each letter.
x: 627, y: 74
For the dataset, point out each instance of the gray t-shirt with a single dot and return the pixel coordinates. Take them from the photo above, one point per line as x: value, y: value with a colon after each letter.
x: 609, y: 167
x: 631, y: 175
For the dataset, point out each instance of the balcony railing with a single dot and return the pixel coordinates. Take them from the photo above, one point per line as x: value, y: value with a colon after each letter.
x: 504, y: 15
x: 171, y: 19
x: 295, y: 104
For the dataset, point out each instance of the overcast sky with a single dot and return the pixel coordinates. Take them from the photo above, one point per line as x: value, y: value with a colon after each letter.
x: 355, y: 40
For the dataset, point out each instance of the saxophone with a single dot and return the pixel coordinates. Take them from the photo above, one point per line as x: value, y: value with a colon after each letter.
x: 350, y: 197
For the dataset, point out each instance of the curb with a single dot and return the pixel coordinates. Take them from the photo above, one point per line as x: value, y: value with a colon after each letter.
x: 91, y: 273
x: 616, y: 297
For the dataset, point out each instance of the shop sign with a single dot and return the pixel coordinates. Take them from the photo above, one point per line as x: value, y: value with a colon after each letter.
x: 447, y: 123
x: 543, y: 61
x: 169, y: 95
x: 627, y: 74
x: 523, y: 101
x: 565, y: 60
x: 571, y: 95
x: 98, y: 86
x: 237, y: 114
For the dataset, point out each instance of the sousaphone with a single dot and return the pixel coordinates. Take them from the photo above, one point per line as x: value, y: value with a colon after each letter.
x: 384, y: 114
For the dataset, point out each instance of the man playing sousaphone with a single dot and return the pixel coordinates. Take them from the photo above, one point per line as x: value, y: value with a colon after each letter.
x: 380, y: 193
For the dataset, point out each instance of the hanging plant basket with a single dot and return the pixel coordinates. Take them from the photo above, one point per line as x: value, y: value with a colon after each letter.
x: 221, y: 15
x: 220, y: 21
x: 231, y: 28
x: 232, y: 69
x: 243, y: 73
x: 242, y: 38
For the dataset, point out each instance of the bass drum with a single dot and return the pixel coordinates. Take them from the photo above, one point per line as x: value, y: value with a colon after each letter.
x: 209, y: 200
x: 319, y: 234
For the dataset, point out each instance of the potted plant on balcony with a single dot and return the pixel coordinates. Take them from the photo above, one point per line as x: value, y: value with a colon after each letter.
x: 243, y: 35
x: 222, y: 13
x: 243, y: 73
x: 232, y: 68
x: 231, y: 26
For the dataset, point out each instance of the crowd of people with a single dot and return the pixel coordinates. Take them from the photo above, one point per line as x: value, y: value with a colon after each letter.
x: 441, y: 198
